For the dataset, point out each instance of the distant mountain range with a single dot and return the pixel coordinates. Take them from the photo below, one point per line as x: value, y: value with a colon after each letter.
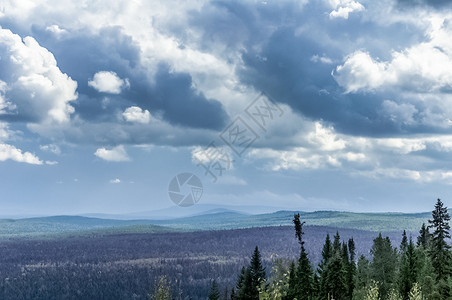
x: 218, y: 219
x: 180, y: 212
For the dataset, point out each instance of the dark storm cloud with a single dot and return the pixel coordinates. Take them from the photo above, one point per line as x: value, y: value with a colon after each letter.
x: 173, y: 95
x: 288, y: 69
x: 282, y: 50
x: 169, y: 94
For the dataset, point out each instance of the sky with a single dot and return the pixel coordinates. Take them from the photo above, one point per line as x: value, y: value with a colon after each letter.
x: 304, y: 105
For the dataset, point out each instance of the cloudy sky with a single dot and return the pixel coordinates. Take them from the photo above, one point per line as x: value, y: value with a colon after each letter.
x: 328, y: 104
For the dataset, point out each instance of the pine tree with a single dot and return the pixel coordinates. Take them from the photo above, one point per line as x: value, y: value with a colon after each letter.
x: 351, y: 270
x: 424, y: 236
x: 344, y: 253
x: 248, y: 291
x: 408, y: 268
x: 291, y: 291
x: 240, y: 283
x: 256, y: 268
x: 322, y: 270
x: 362, y: 278
x: 301, y: 284
x: 251, y: 278
x: 426, y: 276
x: 337, y: 242
x: 326, y: 254
x: 346, y: 267
x: 315, y: 285
x: 404, y: 243
x: 383, y: 265
x: 304, y: 277
x: 214, y: 292
x: 298, y: 229
x: 440, y: 249
x: 336, y: 277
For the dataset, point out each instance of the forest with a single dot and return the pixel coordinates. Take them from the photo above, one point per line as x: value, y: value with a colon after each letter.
x: 413, y: 270
x: 271, y: 262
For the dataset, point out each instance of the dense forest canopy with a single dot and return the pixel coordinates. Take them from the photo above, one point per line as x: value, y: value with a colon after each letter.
x: 411, y: 270
x: 310, y: 262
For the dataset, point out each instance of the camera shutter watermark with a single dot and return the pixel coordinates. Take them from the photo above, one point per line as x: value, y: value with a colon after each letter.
x: 185, y: 189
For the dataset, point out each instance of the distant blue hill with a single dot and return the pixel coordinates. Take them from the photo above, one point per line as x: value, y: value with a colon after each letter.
x: 364, y: 221
x: 212, y: 220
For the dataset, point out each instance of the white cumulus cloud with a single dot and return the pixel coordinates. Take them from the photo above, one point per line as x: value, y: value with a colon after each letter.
x: 136, y: 114
x: 423, y: 67
x: 56, y: 30
x: 11, y: 152
x: 360, y: 71
x: 108, y: 82
x: 32, y: 82
x: 116, y: 180
x: 117, y: 153
x: 342, y: 8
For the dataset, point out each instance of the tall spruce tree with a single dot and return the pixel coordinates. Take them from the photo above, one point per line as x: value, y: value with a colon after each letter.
x: 424, y: 236
x: 337, y: 242
x: 351, y: 270
x: 251, y: 278
x: 298, y: 229
x: 315, y: 285
x: 304, y: 278
x: 362, y: 278
x: 327, y: 251
x: 336, y: 277
x: 257, y: 271
x: 301, y: 285
x: 322, y: 270
x: 248, y: 290
x: 408, y: 268
x: 404, y: 243
x: 291, y: 291
x: 240, y: 284
x: 383, y: 266
x: 439, y: 252
x: 344, y: 253
x: 345, y: 266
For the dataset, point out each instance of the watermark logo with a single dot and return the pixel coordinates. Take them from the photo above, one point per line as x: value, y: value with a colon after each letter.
x: 185, y: 189
x: 215, y: 160
x: 239, y: 136
x: 263, y: 111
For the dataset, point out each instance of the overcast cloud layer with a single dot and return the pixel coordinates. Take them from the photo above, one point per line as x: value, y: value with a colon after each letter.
x: 127, y: 92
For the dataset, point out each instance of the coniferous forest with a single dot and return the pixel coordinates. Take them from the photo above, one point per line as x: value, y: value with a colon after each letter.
x: 276, y: 262
x: 415, y: 269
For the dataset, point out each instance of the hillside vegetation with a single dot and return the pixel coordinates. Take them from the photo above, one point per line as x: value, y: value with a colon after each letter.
x: 45, y: 226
